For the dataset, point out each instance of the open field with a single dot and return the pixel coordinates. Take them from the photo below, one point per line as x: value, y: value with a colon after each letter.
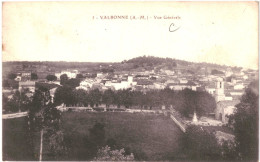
x: 148, y: 136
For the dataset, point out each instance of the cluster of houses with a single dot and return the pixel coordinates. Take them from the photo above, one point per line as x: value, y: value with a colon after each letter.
x: 227, y: 88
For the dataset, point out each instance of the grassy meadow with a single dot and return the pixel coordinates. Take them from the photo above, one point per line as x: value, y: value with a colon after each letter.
x: 147, y: 136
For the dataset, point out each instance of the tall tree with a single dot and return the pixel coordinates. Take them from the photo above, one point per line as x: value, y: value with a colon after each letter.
x: 95, y: 97
x: 64, y: 95
x: 63, y: 79
x: 51, y: 77
x: 79, y: 76
x: 81, y: 97
x: 72, y: 82
x: 205, y: 103
x: 188, y: 101
x: 43, y: 116
x: 137, y: 98
x: 41, y: 99
x: 34, y: 76
x: 124, y: 97
x: 108, y: 97
x: 245, y: 123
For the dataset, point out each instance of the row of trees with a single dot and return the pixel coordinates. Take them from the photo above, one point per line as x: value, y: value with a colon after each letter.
x: 50, y: 77
x: 62, y: 77
x: 186, y: 101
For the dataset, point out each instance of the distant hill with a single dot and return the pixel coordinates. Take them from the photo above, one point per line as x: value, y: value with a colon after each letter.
x: 151, y: 62
x: 135, y: 64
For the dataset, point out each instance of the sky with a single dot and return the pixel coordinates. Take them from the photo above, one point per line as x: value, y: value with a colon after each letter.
x: 214, y: 32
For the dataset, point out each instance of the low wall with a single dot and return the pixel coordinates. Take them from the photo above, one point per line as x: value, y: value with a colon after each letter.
x: 182, y: 127
x: 14, y: 115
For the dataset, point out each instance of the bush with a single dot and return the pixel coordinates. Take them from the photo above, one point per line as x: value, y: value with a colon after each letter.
x: 106, y: 154
x: 198, y: 144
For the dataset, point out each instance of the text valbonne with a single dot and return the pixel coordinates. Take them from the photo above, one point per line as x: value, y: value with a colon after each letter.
x: 139, y: 17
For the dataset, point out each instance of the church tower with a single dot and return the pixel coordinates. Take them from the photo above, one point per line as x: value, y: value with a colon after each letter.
x: 219, y: 93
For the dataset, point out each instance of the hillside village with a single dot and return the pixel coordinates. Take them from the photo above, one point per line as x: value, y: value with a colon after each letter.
x: 195, y: 97
x: 223, y: 83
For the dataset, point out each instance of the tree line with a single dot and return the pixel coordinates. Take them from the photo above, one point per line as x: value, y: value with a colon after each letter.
x: 186, y: 101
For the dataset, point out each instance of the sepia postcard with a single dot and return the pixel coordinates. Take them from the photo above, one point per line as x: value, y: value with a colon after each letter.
x: 130, y: 81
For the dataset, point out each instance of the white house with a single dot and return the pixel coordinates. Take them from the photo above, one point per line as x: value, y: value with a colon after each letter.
x: 178, y: 87
x: 239, y: 86
x: 124, y: 84
x: 236, y: 92
x: 58, y: 75
x: 86, y: 83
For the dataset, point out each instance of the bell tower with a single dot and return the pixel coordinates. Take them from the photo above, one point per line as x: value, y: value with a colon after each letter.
x: 219, y: 93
